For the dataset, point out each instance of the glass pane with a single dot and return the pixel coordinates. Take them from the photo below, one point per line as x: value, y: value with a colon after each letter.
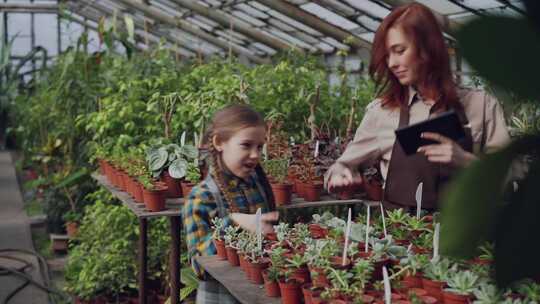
x: 18, y: 24
x: 69, y: 33
x: 46, y: 32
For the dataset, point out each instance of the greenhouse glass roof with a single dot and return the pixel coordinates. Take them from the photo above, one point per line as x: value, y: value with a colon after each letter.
x: 257, y: 29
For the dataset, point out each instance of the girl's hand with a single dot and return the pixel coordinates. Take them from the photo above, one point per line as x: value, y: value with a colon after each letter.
x: 339, y: 177
x: 247, y: 221
x: 446, y: 151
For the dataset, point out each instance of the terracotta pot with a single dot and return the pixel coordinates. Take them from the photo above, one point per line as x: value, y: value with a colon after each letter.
x: 256, y: 270
x: 412, y: 282
x: 232, y: 256
x: 317, y: 232
x: 271, y: 236
x: 282, y: 193
x: 312, y: 191
x: 154, y: 199
x: 186, y: 188
x: 428, y: 300
x: 419, y: 292
x: 434, y: 288
x: 377, y: 268
x: 402, y: 302
x: 137, y: 189
x: 337, y: 262
x: 373, y: 190
x: 318, y: 277
x: 243, y: 262
x: 316, y: 300
x: 306, y: 290
x: 123, y: 180
x: 453, y: 298
x: 72, y: 229
x: 271, y: 287
x: 290, y: 292
x: 220, y: 248
x: 301, y: 275
x: 173, y: 185
x: 162, y: 299
x: 299, y: 185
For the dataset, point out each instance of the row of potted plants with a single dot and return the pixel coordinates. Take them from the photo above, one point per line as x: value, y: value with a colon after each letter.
x: 305, y: 263
x: 163, y: 171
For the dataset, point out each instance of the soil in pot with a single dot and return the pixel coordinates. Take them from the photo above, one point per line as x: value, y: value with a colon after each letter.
x: 232, y: 256
x: 220, y: 248
x: 282, y: 193
x: 317, y: 231
x: 290, y: 292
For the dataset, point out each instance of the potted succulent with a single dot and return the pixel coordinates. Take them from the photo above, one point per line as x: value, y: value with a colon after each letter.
x: 271, y: 278
x: 282, y: 189
x: 461, y: 285
x: 435, y: 275
x: 411, y: 267
x: 153, y: 193
x: 298, y: 266
x: 170, y: 161
x: 486, y: 293
x: 231, y: 234
x: 372, y: 182
x: 193, y: 176
x: 289, y: 288
x: 318, y: 255
x: 318, y: 227
x: 487, y: 254
x: 256, y: 263
x: 217, y: 236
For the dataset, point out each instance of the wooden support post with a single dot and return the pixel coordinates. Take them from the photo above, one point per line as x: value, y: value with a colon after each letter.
x: 143, y: 239
x: 175, y: 259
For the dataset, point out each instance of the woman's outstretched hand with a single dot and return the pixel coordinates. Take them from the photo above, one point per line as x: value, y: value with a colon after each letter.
x: 340, y: 176
x: 446, y: 151
x: 247, y: 221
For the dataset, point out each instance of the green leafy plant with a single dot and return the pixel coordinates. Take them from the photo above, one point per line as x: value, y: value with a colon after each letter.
x: 193, y: 174
x: 171, y: 157
x: 486, y: 293
x: 277, y: 168
x: 438, y: 270
x: 218, y: 225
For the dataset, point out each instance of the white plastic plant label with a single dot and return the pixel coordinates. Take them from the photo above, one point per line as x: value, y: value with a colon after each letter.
x: 316, y: 153
x: 258, y: 228
x: 347, y: 234
x: 419, y: 200
x: 383, y: 221
x: 367, y: 229
x: 195, y: 139
x: 387, y: 288
x: 265, y: 151
x: 292, y: 141
x: 183, y: 139
x: 436, y: 242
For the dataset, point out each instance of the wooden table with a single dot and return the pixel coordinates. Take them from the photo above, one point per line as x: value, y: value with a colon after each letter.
x: 173, y: 212
x: 235, y: 281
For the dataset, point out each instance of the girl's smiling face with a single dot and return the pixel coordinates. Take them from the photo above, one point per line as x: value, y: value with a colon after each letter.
x: 241, y: 153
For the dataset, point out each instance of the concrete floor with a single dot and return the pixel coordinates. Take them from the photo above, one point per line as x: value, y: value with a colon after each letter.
x: 15, y: 234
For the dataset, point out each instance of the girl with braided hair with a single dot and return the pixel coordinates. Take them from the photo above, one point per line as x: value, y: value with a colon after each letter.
x: 235, y: 187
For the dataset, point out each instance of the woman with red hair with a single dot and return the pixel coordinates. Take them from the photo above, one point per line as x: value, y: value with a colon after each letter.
x: 411, y: 67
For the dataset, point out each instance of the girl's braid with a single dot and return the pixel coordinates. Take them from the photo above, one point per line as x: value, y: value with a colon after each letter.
x: 216, y: 171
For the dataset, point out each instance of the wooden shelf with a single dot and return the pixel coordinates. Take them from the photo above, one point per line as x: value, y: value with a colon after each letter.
x: 234, y: 279
x: 326, y: 200
x: 173, y: 205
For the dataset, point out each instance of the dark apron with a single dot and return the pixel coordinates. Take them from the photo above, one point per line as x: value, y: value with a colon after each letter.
x: 405, y: 172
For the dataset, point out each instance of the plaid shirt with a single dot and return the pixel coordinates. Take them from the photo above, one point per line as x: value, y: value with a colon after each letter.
x: 201, y: 208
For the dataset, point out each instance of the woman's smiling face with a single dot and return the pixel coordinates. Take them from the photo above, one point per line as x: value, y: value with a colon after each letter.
x: 402, y: 56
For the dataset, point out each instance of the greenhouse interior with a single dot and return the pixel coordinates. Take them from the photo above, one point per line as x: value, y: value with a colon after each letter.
x: 269, y: 151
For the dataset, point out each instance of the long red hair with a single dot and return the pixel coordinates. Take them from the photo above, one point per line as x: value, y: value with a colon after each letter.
x: 435, y: 80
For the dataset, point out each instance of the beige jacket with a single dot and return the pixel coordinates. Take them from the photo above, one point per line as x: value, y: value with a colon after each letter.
x: 375, y: 136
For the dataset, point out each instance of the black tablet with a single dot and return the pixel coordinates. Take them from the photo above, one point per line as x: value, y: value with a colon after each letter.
x: 446, y: 124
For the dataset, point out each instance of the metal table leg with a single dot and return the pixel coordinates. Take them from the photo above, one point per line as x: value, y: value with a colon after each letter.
x: 175, y: 259
x: 142, y: 259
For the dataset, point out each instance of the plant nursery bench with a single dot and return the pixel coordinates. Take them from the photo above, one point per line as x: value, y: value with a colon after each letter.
x: 173, y: 211
x: 235, y: 281
x: 326, y: 200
